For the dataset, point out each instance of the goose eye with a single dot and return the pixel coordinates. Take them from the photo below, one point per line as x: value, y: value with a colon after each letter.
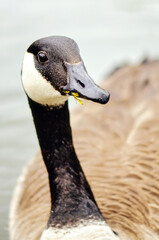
x: 42, y: 57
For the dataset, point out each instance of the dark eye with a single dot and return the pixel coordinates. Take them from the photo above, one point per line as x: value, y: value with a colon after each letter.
x: 42, y: 57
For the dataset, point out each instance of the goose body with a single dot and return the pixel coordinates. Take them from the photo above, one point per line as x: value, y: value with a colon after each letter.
x: 118, y: 147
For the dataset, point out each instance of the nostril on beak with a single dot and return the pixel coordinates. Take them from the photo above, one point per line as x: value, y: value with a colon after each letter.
x: 81, y: 84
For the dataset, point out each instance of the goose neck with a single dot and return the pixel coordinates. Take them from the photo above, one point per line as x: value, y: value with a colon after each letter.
x: 71, y: 196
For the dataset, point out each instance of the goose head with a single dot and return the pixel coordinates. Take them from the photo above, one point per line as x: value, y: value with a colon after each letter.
x: 53, y: 69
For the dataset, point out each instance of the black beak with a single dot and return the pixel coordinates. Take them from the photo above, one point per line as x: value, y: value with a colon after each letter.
x: 80, y: 82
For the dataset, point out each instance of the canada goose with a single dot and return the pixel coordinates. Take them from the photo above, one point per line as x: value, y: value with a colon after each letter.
x: 118, y: 147
x: 52, y: 70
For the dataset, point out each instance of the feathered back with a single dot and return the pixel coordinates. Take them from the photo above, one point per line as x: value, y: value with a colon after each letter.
x: 118, y: 147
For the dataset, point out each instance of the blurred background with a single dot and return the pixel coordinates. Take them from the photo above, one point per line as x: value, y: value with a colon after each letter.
x: 108, y: 33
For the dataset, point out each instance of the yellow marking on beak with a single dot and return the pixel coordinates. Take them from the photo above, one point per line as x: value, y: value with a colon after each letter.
x: 75, y: 95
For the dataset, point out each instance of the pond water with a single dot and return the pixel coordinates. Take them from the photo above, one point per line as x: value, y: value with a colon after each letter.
x: 108, y: 33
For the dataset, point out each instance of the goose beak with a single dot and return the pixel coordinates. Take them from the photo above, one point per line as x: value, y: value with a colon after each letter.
x: 80, y: 83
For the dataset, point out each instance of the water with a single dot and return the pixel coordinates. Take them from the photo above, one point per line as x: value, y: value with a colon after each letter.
x: 108, y: 33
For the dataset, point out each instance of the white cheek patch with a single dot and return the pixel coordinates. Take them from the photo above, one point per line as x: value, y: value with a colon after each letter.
x: 37, y: 87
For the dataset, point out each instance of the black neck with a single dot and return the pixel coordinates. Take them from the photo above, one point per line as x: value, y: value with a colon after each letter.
x: 71, y: 196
